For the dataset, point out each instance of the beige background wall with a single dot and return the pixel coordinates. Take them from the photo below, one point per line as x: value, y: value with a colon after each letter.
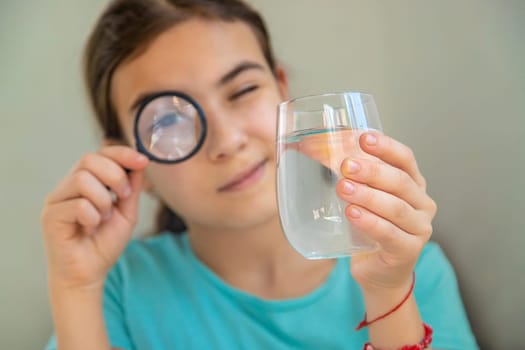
x: 449, y: 80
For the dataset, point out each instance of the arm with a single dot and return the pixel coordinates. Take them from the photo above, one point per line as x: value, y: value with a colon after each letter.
x: 388, y: 202
x: 89, y: 316
x: 78, y: 318
x: 439, y: 300
x: 85, y: 232
x: 402, y: 327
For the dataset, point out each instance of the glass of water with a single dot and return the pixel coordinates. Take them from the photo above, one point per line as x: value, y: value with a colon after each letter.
x: 314, y: 135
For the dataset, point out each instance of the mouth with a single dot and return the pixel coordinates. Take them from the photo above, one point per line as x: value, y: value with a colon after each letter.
x: 245, y: 178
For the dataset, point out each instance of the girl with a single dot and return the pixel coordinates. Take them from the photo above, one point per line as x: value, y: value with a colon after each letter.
x: 220, y: 274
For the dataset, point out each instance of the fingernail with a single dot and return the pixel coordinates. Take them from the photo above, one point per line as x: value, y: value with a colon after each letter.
x: 353, y: 167
x: 371, y: 140
x: 141, y: 158
x: 348, y: 187
x: 355, y: 213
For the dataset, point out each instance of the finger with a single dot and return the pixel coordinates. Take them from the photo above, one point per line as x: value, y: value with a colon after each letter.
x: 387, y: 178
x: 392, y: 152
x: 391, y: 238
x: 109, y: 171
x: 386, y: 206
x: 84, y: 184
x: 125, y: 156
x: 75, y: 212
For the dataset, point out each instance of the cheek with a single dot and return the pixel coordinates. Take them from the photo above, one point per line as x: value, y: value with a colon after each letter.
x: 263, y: 119
x: 172, y: 185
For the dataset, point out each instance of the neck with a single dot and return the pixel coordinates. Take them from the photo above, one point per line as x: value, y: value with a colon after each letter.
x: 258, y: 260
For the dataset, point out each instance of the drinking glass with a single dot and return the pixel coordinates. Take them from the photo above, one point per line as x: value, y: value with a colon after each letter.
x: 314, y: 135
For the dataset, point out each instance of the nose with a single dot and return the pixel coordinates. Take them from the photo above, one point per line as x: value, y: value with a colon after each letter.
x: 226, y: 135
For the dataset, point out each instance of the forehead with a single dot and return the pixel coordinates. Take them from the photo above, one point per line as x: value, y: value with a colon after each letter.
x: 190, y: 56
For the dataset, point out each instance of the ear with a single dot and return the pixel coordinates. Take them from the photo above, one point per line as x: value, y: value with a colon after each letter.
x: 282, y: 81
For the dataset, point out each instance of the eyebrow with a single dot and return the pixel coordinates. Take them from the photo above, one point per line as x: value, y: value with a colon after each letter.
x: 225, y: 79
x: 238, y: 69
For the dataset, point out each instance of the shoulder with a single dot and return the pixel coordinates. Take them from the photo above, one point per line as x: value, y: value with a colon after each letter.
x: 439, y: 300
x: 162, y: 245
x: 434, y: 270
x: 142, y: 276
x: 433, y: 258
x: 144, y: 258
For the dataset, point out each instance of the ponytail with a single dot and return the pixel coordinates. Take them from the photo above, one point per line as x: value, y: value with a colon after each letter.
x: 167, y: 220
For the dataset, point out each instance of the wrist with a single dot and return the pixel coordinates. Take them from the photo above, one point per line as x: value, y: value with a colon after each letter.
x: 63, y: 298
x: 393, y: 317
x: 378, y: 300
x: 423, y: 344
x: 65, y: 293
x: 78, y: 317
x: 388, y: 283
x: 59, y: 284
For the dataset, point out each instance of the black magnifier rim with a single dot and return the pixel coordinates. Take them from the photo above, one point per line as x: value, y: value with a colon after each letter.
x: 144, y: 104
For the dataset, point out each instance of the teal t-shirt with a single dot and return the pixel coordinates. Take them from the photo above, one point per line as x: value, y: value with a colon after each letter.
x: 159, y: 296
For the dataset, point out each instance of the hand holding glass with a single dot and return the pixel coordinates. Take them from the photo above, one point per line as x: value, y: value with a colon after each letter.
x: 315, y: 134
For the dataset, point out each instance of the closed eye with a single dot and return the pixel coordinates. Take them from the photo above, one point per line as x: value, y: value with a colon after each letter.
x: 243, y: 92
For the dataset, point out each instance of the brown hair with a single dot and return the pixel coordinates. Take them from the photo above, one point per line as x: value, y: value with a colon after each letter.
x: 125, y: 29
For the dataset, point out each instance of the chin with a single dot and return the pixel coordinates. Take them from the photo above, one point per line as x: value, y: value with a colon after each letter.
x: 248, y: 216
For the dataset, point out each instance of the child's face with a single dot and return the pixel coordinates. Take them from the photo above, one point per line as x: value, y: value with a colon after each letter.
x: 230, y: 182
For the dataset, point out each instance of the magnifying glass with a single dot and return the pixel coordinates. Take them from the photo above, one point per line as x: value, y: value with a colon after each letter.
x: 170, y: 127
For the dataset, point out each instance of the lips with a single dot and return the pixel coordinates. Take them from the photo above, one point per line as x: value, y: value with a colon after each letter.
x: 245, y: 178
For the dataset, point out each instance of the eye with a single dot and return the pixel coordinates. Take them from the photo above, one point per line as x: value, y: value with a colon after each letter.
x: 167, y: 120
x: 243, y: 92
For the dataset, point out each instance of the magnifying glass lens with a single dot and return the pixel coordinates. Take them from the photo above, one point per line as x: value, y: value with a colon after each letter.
x: 170, y: 128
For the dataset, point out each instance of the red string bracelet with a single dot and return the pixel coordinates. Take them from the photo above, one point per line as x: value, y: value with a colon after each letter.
x: 427, y: 340
x: 365, y: 323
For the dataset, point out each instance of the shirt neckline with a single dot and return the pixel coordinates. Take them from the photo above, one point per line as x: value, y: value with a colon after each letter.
x: 277, y: 305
